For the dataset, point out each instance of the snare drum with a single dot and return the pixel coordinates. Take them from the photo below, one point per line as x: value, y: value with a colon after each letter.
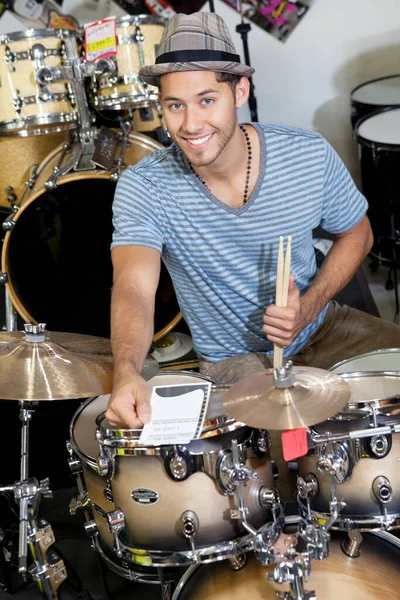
x: 57, y: 256
x: 28, y: 108
x: 373, y: 575
x: 364, y: 470
x: 137, y: 39
x: 155, y: 487
x: 387, y: 359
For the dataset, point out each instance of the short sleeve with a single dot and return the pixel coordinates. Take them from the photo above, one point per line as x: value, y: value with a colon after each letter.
x: 343, y: 204
x: 136, y: 212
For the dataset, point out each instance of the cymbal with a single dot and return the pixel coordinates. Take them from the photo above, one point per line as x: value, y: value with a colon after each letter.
x: 61, y: 366
x: 314, y: 396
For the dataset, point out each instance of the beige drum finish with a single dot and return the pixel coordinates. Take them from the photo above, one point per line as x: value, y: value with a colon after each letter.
x: 17, y: 74
x: 18, y: 156
x: 357, y: 490
x: 157, y: 526
x: 375, y: 574
x: 125, y: 89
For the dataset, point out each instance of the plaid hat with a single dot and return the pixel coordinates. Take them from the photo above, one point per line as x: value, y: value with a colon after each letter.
x: 197, y: 42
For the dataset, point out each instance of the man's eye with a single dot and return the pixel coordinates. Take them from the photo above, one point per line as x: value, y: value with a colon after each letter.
x: 207, y: 101
x: 175, y: 106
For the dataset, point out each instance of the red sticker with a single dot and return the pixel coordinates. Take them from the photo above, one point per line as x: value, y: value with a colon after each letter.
x: 294, y: 443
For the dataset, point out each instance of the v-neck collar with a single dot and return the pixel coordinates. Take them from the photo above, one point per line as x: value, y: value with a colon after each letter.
x: 195, y: 181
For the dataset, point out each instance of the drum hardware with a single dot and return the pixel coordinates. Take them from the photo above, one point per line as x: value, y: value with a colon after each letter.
x: 119, y: 162
x: 295, y: 396
x: 351, y: 545
x: 190, y: 525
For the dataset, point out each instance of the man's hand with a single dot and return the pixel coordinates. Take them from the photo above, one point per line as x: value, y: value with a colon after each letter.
x: 282, y: 324
x: 129, y: 405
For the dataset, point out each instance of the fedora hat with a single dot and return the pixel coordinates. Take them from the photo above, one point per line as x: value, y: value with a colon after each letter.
x: 197, y: 42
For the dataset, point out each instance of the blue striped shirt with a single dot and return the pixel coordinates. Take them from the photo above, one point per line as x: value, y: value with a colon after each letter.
x: 222, y: 260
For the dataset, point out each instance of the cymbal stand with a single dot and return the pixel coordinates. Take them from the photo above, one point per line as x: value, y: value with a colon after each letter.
x: 292, y: 566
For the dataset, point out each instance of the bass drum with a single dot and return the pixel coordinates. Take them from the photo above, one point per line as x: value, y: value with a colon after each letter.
x: 374, y: 574
x: 58, y: 257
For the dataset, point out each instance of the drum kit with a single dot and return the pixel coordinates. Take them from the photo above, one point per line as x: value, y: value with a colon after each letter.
x: 209, y: 508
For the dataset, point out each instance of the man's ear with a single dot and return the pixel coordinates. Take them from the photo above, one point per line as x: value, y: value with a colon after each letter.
x: 242, y: 91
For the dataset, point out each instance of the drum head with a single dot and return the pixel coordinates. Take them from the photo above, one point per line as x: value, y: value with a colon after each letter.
x: 381, y: 129
x: 374, y: 574
x: 387, y: 359
x: 58, y: 257
x: 379, y: 92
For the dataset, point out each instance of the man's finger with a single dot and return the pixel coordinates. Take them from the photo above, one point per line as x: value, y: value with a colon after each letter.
x: 143, y: 410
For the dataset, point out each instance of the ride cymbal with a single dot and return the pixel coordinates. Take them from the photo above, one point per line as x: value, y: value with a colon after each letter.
x: 314, y: 396
x: 38, y: 365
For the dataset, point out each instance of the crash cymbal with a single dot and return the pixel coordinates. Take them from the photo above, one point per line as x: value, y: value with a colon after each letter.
x: 314, y: 396
x: 41, y: 365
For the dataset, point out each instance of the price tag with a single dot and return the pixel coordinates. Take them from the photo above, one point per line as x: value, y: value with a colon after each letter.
x: 100, y: 39
x: 294, y: 443
x: 177, y: 414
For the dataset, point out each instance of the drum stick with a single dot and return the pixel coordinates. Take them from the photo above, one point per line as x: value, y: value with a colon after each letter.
x: 278, y: 298
x: 282, y: 290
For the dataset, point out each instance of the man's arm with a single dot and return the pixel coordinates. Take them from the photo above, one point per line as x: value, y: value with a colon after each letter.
x: 136, y: 276
x: 282, y: 325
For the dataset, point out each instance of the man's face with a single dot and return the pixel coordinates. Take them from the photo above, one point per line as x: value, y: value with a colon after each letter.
x: 200, y: 113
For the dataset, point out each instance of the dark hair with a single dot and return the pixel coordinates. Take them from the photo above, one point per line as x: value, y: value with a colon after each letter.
x: 229, y: 78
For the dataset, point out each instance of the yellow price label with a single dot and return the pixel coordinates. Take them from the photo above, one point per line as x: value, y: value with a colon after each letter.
x: 101, y: 44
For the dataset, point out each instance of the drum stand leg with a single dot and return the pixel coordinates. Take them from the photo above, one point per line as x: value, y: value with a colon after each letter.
x: 10, y: 312
x: 47, y: 569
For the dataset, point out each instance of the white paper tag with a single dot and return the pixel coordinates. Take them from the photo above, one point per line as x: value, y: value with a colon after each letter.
x: 177, y: 414
x: 100, y: 39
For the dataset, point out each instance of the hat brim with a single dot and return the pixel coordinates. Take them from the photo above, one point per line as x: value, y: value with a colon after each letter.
x: 151, y: 73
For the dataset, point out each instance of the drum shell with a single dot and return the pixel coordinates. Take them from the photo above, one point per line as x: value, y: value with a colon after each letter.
x: 50, y: 115
x: 157, y: 526
x: 109, y: 95
x: 18, y: 158
x: 380, y: 164
x: 372, y: 575
x: 357, y: 492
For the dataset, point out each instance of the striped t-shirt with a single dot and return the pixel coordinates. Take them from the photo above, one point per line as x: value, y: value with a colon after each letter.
x: 222, y: 260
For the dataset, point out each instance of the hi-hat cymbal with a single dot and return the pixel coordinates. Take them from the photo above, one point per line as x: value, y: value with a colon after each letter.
x: 315, y: 396
x: 61, y: 366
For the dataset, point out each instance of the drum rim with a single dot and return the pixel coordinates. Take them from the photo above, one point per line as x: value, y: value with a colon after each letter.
x: 90, y: 460
x: 62, y: 121
x: 373, y: 143
x: 369, y: 83
x: 141, y: 20
x: 32, y: 34
x: 364, y: 355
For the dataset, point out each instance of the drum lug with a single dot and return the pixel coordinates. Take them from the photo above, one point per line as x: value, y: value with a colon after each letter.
x: 334, y: 460
x: 179, y: 463
x: 17, y: 103
x: 351, y: 545
x: 9, y: 59
x: 3, y: 278
x: 382, y: 489
x: 307, y: 487
x: 190, y: 525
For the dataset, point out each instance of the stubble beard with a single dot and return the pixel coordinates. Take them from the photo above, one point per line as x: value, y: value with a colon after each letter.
x: 225, y: 138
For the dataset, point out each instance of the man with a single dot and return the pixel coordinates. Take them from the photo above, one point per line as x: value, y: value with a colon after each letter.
x: 214, y: 205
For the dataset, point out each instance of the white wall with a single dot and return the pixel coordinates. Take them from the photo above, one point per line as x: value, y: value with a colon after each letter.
x: 306, y: 81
